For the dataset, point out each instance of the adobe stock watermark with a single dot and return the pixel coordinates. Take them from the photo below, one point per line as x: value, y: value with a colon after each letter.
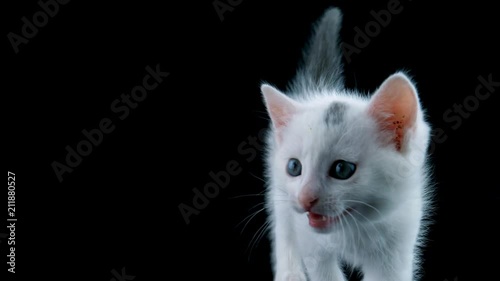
x: 39, y: 19
x: 223, y: 6
x: 249, y: 149
x: 460, y: 111
x: 121, y: 107
x: 453, y: 116
x: 372, y: 29
x: 123, y: 276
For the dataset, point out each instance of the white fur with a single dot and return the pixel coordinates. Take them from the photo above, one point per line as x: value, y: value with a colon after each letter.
x: 389, y: 190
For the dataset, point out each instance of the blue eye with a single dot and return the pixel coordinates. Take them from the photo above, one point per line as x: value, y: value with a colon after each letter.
x: 342, y: 169
x: 294, y: 168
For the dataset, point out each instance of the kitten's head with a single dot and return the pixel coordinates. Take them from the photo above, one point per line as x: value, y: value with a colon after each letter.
x: 337, y: 156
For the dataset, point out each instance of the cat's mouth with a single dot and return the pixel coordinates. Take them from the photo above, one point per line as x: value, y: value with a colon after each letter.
x: 320, y: 221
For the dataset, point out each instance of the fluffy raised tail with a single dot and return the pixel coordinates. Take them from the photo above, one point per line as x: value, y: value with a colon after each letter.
x: 322, y: 62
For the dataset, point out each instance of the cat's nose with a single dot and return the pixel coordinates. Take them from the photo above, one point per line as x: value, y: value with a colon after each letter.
x: 307, y: 200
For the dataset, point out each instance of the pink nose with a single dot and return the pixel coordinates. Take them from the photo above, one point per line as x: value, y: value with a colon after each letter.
x: 307, y: 200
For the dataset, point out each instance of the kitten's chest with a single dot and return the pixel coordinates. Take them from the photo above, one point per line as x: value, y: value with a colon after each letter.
x: 341, y: 241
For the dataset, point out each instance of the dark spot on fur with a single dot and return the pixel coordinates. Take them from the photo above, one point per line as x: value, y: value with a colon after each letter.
x: 335, y: 113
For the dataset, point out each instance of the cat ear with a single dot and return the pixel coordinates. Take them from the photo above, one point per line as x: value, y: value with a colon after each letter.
x: 280, y: 107
x: 395, y: 107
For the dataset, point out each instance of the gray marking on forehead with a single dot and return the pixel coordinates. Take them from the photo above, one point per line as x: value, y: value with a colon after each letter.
x: 335, y: 113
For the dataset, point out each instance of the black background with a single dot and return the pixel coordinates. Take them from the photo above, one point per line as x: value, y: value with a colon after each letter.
x: 119, y: 207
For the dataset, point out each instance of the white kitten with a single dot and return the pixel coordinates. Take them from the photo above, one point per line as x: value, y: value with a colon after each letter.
x: 346, y: 173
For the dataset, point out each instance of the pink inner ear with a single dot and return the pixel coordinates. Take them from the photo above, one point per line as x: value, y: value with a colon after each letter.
x: 279, y: 116
x: 395, y: 107
x: 280, y: 107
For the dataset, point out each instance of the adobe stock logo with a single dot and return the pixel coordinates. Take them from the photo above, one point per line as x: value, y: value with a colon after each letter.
x: 120, y: 106
x: 223, y: 6
x: 372, y: 29
x: 221, y: 179
x: 121, y: 276
x: 463, y: 110
x: 29, y: 29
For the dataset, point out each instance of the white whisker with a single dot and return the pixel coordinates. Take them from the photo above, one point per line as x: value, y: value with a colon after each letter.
x: 363, y: 203
x: 249, y: 218
x: 257, y: 237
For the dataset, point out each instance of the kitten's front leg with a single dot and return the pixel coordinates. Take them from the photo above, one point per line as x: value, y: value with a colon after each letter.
x: 397, y: 267
x: 326, y: 268
x: 388, y: 275
x: 288, y: 263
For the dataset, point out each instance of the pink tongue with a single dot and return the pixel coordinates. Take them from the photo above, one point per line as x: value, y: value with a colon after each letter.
x: 318, y: 221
